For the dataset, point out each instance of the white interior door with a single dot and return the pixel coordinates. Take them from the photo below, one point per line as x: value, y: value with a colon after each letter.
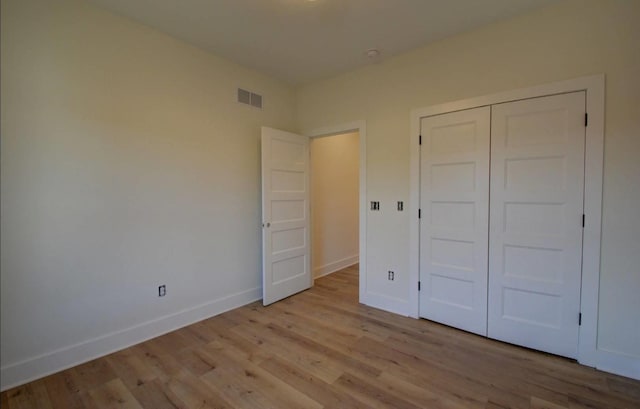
x: 535, y: 257
x: 454, y: 166
x: 285, y: 215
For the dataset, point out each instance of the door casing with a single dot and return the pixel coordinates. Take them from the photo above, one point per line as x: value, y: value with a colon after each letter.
x: 594, y: 151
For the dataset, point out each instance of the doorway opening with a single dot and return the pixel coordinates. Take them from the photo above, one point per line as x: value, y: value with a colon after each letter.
x: 334, y: 185
x: 360, y: 127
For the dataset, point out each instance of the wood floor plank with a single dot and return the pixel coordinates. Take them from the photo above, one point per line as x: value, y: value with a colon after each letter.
x: 493, y: 405
x: 4, y: 400
x: 163, y: 363
x: 113, y: 394
x: 92, y: 374
x: 537, y: 403
x: 130, y: 368
x: 321, y: 348
x: 425, y: 396
x: 155, y: 395
x: 248, y: 385
x: 253, y: 352
x: 302, y: 323
x: 195, y: 393
x: 373, y: 395
x: 624, y: 387
x: 360, y: 326
x: 32, y: 395
x: 460, y: 361
x: 580, y: 402
x: 344, y: 360
x: 196, y: 363
x: 63, y: 391
x: 310, y: 385
x: 466, y: 389
x: 317, y: 364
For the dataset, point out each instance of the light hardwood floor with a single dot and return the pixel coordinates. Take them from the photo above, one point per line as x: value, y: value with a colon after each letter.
x: 321, y: 349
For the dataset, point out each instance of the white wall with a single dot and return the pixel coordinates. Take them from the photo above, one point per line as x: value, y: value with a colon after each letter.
x: 126, y: 164
x: 571, y: 39
x: 334, y: 202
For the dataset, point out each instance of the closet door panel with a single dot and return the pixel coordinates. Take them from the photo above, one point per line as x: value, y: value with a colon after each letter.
x: 454, y: 224
x: 535, y: 245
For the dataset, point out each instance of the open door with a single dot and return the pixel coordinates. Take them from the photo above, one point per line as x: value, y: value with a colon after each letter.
x: 286, y: 264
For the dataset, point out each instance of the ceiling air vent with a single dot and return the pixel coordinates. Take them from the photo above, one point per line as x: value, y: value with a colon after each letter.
x: 249, y: 98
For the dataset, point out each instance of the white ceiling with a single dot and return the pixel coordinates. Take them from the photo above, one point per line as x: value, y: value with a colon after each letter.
x: 300, y: 40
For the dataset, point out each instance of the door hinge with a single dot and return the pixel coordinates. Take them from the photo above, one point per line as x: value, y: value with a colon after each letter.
x: 419, y: 213
x: 586, y: 119
x: 583, y: 217
x: 418, y: 285
x: 420, y: 140
x: 579, y: 319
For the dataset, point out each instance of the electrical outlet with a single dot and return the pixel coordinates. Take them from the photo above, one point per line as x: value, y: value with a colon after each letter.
x: 375, y: 205
x: 162, y: 290
x: 391, y: 275
x: 400, y: 206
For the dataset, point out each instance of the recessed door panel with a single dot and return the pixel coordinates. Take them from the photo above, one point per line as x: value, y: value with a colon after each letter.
x: 530, y: 217
x: 288, y: 180
x: 543, y: 125
x: 528, y: 307
x: 533, y: 263
x: 288, y: 239
x: 284, y: 270
x: 454, y: 138
x: 453, y: 177
x: 535, y: 250
x: 288, y: 210
x: 454, y: 229
x: 453, y: 254
x: 457, y: 293
x: 546, y: 173
x: 453, y: 215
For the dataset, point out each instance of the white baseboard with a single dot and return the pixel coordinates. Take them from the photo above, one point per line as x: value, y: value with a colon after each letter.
x: 334, y: 266
x: 618, y: 363
x: 39, y: 366
x: 384, y: 302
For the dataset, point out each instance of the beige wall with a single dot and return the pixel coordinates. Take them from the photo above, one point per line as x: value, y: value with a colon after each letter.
x: 571, y: 39
x: 334, y: 202
x: 126, y: 164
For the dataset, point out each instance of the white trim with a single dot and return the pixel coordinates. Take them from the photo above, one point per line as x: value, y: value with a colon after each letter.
x: 387, y: 303
x: 414, y: 206
x: 593, y: 175
x: 361, y: 127
x: 334, y: 266
x: 588, y: 353
x: 618, y: 363
x: 42, y: 365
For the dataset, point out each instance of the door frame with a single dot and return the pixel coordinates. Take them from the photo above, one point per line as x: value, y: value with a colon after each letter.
x: 594, y: 87
x: 359, y: 126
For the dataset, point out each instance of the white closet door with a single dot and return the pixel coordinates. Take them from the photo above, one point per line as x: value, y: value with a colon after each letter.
x: 535, y: 256
x: 454, y: 224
